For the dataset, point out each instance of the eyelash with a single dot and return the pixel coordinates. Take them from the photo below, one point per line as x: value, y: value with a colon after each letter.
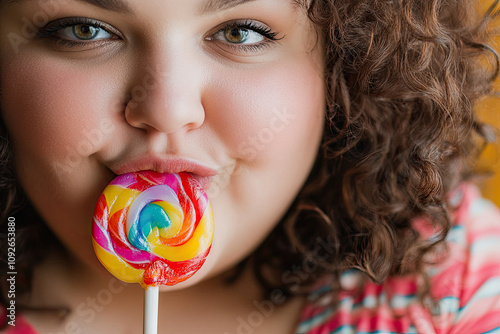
x: 269, y: 35
x: 53, y: 27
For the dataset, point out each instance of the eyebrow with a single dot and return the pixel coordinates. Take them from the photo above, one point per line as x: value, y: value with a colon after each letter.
x: 208, y: 7
x: 113, y: 5
x: 215, y: 5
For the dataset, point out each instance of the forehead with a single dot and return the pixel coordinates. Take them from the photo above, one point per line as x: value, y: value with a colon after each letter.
x: 123, y: 5
x: 206, y: 6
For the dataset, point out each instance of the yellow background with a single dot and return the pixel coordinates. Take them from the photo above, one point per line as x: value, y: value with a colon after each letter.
x: 489, y: 112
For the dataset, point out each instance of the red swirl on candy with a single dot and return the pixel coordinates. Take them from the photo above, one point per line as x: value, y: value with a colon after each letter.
x: 152, y: 228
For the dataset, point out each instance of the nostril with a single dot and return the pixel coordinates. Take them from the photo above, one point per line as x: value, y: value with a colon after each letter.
x: 163, y: 114
x: 166, y: 106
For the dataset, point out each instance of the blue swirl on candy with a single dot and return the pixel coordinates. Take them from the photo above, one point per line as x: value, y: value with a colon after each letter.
x: 144, y: 215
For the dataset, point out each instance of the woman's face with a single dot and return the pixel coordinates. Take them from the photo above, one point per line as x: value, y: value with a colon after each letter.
x: 231, y: 91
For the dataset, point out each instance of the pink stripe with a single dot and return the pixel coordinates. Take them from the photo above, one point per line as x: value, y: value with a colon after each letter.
x: 400, y: 286
x: 367, y: 321
x: 132, y: 254
x: 101, y: 237
x: 476, y: 280
x: 448, y: 283
x: 124, y: 180
x: 478, y: 323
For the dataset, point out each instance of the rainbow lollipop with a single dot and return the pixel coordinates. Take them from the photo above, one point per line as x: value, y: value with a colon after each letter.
x: 152, y: 229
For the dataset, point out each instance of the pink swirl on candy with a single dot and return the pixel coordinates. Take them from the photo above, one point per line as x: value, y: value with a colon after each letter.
x: 152, y: 228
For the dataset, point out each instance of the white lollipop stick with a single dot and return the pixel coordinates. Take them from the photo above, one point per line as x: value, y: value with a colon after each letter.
x: 151, y: 310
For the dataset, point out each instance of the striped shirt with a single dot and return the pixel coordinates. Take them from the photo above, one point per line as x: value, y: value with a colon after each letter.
x: 465, y: 286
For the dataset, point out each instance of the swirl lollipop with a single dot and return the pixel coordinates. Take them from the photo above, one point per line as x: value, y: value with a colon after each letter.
x: 152, y: 229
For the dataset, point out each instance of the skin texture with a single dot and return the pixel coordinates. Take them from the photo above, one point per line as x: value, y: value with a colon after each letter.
x: 163, y: 84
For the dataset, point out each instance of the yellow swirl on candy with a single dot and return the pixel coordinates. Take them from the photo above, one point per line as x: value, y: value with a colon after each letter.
x: 152, y: 228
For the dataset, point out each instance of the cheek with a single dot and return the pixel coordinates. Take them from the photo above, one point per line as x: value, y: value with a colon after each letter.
x: 57, y: 117
x: 56, y: 110
x: 265, y: 113
x: 56, y: 121
x: 271, y: 123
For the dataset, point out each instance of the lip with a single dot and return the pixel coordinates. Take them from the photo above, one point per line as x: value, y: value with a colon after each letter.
x: 202, y: 173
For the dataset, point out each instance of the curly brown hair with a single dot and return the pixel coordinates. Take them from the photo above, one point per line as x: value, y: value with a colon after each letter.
x: 402, y: 79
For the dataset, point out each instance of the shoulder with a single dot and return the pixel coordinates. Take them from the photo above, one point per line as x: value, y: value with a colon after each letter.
x: 469, y: 280
x: 465, y: 286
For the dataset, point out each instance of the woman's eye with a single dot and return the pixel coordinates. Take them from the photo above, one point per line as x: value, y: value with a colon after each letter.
x: 247, y: 35
x: 75, y: 31
x: 239, y: 35
x: 83, y: 32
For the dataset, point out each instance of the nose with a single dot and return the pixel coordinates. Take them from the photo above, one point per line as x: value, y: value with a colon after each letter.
x: 166, y: 95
